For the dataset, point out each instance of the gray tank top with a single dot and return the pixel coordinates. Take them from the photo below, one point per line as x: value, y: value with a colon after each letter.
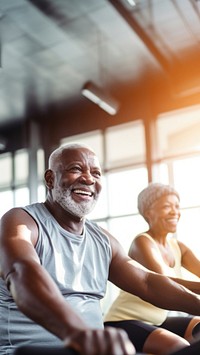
x: 79, y: 266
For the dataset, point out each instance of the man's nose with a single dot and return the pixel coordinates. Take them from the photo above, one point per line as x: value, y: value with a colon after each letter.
x: 87, y: 178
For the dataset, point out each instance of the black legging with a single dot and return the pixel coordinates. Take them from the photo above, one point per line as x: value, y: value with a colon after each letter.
x: 177, y: 325
x: 139, y: 331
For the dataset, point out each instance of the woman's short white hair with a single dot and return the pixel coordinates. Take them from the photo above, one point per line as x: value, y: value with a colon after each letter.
x: 151, y: 194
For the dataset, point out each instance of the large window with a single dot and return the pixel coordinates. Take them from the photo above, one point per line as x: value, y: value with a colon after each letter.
x: 125, y: 145
x: 6, y: 178
x: 178, y: 132
x: 14, y: 179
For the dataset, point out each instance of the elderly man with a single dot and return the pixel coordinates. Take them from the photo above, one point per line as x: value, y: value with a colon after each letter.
x: 55, y: 263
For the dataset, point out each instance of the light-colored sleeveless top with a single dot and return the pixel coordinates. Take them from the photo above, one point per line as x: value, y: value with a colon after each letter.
x: 79, y: 265
x: 127, y: 306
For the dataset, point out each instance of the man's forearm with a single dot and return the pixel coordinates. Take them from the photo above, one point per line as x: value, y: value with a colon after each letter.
x: 37, y: 296
x: 193, y: 286
x: 165, y: 293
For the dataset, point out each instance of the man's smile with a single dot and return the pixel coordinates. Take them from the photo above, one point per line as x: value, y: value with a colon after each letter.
x: 83, y: 192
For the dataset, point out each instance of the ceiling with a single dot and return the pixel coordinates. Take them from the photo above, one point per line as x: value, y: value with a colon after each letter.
x: 50, y: 48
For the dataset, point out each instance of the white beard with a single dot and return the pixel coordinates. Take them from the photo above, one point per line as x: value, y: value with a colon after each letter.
x: 63, y: 197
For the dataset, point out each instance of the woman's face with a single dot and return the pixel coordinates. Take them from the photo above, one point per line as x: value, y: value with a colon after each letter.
x: 164, y: 214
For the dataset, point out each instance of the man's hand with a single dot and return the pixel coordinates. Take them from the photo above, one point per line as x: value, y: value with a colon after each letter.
x: 108, y: 341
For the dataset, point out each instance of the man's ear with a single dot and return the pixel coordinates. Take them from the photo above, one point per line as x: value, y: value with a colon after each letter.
x: 49, y: 178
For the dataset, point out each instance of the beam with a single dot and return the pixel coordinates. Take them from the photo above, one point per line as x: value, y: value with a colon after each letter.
x: 164, y: 63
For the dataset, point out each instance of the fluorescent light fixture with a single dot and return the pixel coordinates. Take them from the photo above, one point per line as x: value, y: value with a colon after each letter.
x: 131, y: 2
x: 96, y: 95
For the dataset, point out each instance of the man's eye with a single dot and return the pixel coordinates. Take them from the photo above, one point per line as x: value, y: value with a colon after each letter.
x: 75, y: 169
x: 97, y: 173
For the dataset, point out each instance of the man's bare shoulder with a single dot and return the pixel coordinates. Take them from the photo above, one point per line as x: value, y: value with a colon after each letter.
x: 17, y: 222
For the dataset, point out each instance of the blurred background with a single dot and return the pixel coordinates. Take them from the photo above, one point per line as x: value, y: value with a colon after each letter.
x: 120, y: 75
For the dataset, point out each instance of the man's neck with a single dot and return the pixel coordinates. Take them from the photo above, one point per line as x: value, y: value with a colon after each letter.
x: 67, y: 221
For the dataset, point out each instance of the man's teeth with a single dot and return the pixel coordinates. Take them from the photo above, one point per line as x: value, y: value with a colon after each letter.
x: 83, y: 192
